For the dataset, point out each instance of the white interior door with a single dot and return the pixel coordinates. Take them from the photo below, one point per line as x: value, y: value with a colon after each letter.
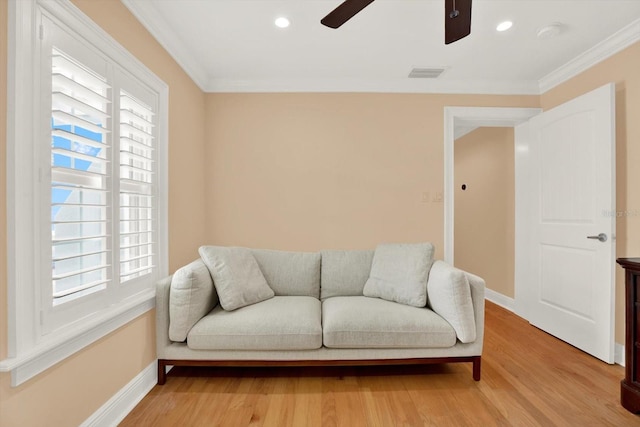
x: 572, y: 153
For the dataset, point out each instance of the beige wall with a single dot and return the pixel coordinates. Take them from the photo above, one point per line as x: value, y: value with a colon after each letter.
x: 623, y: 69
x: 314, y: 171
x: 70, y: 392
x: 484, y: 220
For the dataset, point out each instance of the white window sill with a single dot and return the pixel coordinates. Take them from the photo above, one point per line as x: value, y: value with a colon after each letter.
x: 57, y: 348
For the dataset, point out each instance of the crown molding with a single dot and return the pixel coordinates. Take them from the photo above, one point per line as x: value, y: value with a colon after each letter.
x: 474, y: 87
x: 603, y: 50
x: 154, y: 22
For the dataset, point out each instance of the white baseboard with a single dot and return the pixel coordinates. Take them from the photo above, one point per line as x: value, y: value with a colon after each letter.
x: 502, y: 300
x: 618, y: 354
x: 121, y: 403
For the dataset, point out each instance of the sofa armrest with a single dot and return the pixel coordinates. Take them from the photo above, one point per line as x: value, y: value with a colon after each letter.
x: 449, y: 293
x: 162, y: 315
x: 477, y: 285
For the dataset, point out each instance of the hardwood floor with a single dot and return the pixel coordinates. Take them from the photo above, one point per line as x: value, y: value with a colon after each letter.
x: 529, y: 378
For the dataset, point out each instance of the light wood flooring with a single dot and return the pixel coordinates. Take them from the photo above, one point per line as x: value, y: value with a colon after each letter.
x: 529, y: 378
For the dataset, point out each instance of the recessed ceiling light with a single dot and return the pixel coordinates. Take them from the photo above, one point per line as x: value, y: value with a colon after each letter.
x: 504, y: 26
x: 282, y: 22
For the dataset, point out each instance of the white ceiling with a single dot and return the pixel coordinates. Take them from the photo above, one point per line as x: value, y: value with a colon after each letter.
x: 233, y: 45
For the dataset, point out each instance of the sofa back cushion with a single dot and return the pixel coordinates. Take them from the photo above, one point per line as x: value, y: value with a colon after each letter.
x: 290, y: 273
x: 344, y: 273
x: 191, y: 297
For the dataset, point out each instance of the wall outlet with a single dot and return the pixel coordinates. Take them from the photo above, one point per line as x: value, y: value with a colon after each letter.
x: 425, y: 197
x: 438, y: 196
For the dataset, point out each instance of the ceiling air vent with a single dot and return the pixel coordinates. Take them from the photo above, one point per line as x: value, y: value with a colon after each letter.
x: 425, y: 73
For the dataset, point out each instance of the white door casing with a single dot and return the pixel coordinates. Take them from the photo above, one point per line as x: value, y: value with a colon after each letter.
x: 571, y: 290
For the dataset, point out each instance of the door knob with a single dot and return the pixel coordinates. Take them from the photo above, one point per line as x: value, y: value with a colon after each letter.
x: 601, y: 237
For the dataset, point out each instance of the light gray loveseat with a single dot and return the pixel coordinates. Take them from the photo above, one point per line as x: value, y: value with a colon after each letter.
x: 318, y: 316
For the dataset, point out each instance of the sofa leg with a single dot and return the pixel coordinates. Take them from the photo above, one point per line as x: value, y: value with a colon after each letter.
x: 162, y: 372
x: 477, y: 363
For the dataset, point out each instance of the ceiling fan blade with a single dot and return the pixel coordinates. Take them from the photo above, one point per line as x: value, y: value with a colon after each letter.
x: 344, y: 12
x: 457, y: 20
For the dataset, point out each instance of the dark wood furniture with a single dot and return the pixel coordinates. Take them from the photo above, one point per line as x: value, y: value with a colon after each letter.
x: 630, y: 385
x: 163, y: 363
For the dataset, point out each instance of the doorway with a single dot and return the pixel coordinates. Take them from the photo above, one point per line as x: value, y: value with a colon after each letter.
x: 564, y: 176
x: 470, y: 118
x: 460, y: 120
x: 484, y: 200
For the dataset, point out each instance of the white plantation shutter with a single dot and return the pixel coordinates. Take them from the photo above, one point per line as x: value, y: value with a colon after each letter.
x: 80, y: 169
x: 103, y: 203
x: 138, y: 184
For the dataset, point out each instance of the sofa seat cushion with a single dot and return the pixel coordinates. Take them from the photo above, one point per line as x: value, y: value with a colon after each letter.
x: 279, y: 323
x: 363, y: 322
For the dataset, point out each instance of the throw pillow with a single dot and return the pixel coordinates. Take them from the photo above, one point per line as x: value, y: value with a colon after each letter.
x: 399, y: 273
x: 191, y: 296
x: 236, y: 276
x: 450, y: 297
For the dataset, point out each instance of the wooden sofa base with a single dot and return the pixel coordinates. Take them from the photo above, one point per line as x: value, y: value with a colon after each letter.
x: 163, y: 363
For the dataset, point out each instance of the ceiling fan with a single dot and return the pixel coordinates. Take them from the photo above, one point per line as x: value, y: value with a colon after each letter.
x: 457, y: 17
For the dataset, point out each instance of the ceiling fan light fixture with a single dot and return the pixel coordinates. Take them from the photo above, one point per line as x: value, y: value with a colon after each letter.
x: 282, y: 22
x: 504, y: 26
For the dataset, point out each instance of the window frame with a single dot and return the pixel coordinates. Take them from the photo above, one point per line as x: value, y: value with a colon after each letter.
x: 30, y: 349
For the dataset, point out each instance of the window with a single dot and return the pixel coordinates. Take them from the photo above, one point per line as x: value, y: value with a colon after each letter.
x: 103, y: 180
x: 87, y: 189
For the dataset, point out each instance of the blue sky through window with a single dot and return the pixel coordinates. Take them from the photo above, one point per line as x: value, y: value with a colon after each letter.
x: 60, y: 195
